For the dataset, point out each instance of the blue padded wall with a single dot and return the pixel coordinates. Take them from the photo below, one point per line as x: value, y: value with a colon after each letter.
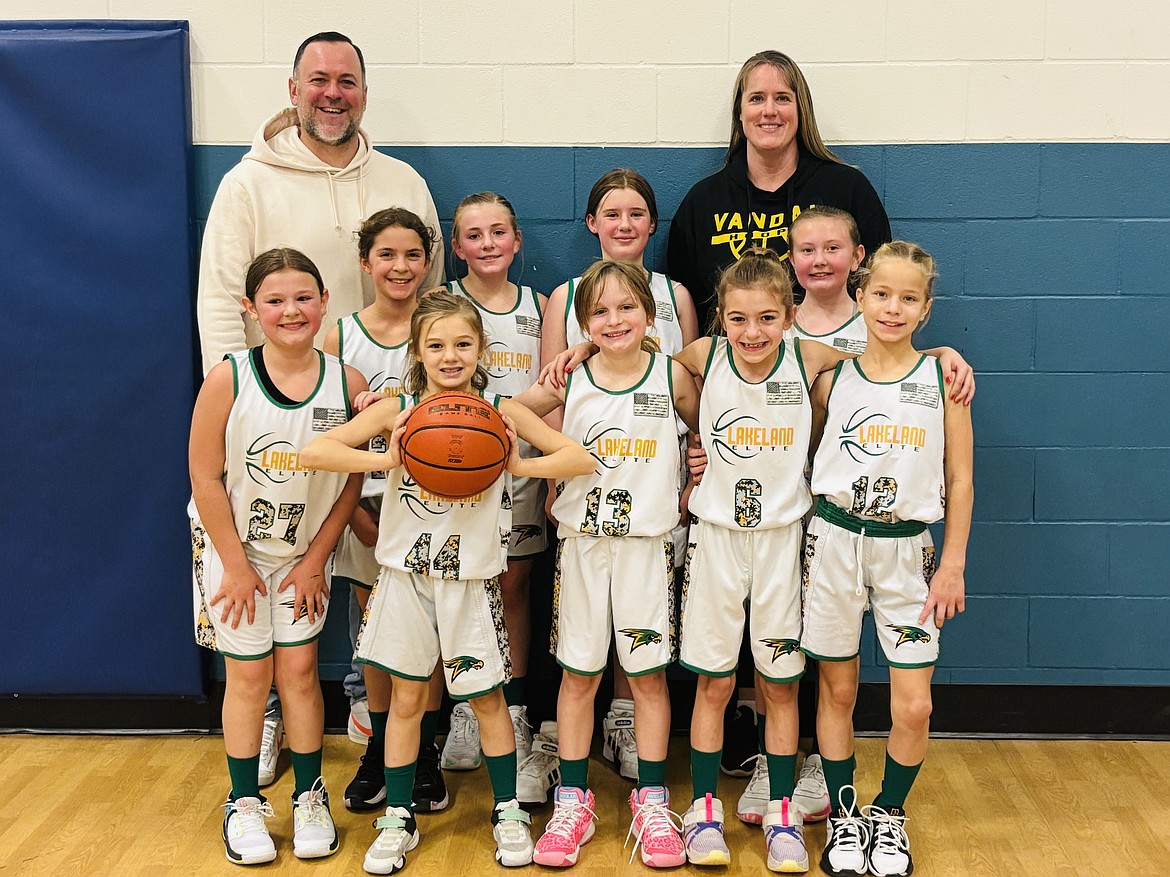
x: 96, y: 288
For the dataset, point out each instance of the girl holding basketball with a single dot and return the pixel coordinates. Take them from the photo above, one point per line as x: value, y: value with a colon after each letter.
x: 485, y: 236
x: 622, y: 212
x: 394, y: 249
x: 438, y: 592
x: 896, y: 456
x: 615, y: 561
x: 263, y: 527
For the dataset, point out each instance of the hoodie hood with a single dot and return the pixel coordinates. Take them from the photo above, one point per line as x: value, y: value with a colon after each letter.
x: 278, y: 144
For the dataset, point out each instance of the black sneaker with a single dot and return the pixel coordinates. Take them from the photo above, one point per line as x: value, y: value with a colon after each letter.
x: 367, y: 791
x: 741, y: 742
x: 847, y: 839
x: 430, y: 789
x: 889, y: 845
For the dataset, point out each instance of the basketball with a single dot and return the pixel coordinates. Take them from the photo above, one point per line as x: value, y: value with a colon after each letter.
x: 455, y: 445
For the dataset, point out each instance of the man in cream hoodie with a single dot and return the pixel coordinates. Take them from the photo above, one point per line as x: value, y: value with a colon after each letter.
x: 308, y: 181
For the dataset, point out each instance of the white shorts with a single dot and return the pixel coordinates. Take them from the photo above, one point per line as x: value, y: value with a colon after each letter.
x: 623, y: 584
x: 274, y: 624
x: 411, y: 621
x: 354, y: 563
x: 727, y: 569
x: 529, y: 525
x: 843, y: 570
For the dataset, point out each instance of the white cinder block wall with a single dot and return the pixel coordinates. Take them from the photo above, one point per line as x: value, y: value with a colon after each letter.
x: 532, y: 72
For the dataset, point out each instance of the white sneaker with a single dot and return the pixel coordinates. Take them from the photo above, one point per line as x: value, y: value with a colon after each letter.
x: 846, y: 840
x: 522, y: 730
x: 513, y: 837
x: 461, y: 751
x: 784, y: 836
x: 397, y: 836
x: 753, y: 803
x: 703, y: 832
x: 360, y: 730
x: 811, y: 796
x: 541, y: 770
x: 889, y: 845
x: 270, y: 742
x: 314, y: 834
x: 245, y: 836
x: 619, y: 747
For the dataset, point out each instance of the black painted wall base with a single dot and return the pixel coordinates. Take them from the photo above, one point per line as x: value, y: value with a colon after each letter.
x: 996, y: 710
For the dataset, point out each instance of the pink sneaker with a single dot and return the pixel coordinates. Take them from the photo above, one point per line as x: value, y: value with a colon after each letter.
x: 656, y: 828
x: 569, y: 828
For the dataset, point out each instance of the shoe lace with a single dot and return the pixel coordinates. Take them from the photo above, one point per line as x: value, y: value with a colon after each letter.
x: 565, y: 817
x: 850, y: 833
x: 314, y: 809
x: 250, y: 813
x: 462, y: 721
x: 270, y: 737
x: 812, y: 778
x: 889, y: 831
x: 540, y: 760
x: 657, y: 820
x: 758, y: 784
x: 521, y: 730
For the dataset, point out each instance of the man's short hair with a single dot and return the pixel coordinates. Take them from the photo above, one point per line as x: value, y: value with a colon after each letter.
x: 328, y: 36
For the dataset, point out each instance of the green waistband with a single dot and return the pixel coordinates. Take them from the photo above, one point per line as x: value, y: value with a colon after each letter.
x: 868, y: 526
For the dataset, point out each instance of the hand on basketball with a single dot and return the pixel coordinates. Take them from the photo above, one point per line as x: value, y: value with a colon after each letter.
x: 947, y: 595
x: 394, y: 446
x: 696, y: 458
x: 514, y: 459
x: 311, y: 590
x: 237, y: 592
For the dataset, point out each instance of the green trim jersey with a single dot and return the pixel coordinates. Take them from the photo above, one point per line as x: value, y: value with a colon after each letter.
x: 512, y: 359
x: 850, y: 337
x: 757, y: 437
x: 881, y: 457
x: 278, y: 504
x: 665, y: 328
x: 632, y: 436
x: 442, y: 538
x: 384, y: 369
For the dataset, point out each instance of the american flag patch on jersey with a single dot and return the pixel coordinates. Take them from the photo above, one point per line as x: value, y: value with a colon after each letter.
x: 651, y: 405
x: 327, y: 418
x: 783, y: 393
x: 526, y: 325
x: 664, y: 310
x: 919, y: 394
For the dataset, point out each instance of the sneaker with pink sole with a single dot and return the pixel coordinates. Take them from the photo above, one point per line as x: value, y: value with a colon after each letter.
x: 569, y: 828
x: 656, y: 828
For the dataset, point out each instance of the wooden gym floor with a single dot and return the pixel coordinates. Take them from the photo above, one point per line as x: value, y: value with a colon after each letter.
x: 151, y: 805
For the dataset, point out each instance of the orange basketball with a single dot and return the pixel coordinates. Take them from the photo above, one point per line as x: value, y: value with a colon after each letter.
x: 455, y: 445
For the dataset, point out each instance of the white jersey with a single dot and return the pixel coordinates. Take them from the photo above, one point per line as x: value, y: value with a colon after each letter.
x: 757, y: 437
x: 384, y: 369
x: 443, y: 538
x: 278, y: 504
x: 632, y: 436
x: 881, y: 457
x: 512, y: 359
x: 850, y: 337
x: 666, y: 327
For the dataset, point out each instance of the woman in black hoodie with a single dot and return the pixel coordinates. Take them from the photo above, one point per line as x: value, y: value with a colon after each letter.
x: 777, y: 165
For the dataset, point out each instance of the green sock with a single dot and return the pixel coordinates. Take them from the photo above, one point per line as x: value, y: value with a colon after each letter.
x: 400, y: 785
x: 651, y: 773
x: 502, y: 773
x: 245, y: 775
x: 781, y: 776
x: 839, y: 774
x: 575, y: 772
x: 515, y: 692
x: 378, y: 727
x: 704, y: 772
x: 306, y: 769
x: 896, y: 784
x: 426, y: 730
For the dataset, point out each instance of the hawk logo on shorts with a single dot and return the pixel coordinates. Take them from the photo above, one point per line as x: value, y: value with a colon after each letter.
x: 908, y: 634
x: 781, y: 647
x: 291, y: 603
x: 527, y: 531
x: 460, y: 665
x: 641, y: 636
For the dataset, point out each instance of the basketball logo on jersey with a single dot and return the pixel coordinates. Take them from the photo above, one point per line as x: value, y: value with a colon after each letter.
x: 386, y: 384
x: 420, y: 503
x: 909, y: 634
x: 743, y: 437
x: 612, y: 446
x: 499, y: 360
x: 641, y: 636
x: 875, y: 435
x: 781, y: 647
x: 462, y: 664
x: 273, y: 463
